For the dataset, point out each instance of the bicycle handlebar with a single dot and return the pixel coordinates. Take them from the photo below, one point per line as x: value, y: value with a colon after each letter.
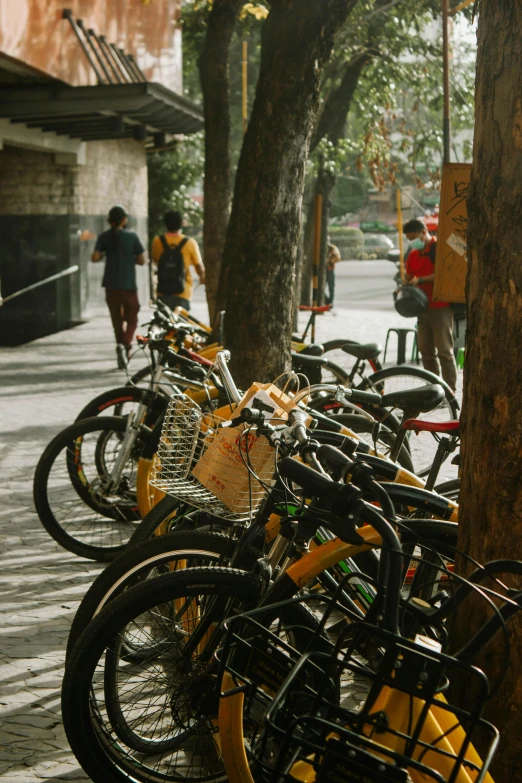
x: 222, y: 358
x: 323, y: 488
x: 316, y: 484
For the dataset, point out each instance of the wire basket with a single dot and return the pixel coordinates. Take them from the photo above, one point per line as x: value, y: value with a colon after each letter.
x: 407, y: 728
x: 329, y: 715
x: 232, y: 489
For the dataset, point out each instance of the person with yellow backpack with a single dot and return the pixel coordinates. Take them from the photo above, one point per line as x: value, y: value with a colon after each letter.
x: 173, y: 255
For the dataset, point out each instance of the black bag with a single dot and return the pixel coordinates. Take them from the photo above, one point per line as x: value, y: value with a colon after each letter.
x: 410, y: 301
x: 171, y: 268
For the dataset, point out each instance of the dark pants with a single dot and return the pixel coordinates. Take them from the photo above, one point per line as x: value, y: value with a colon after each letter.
x: 173, y: 301
x: 435, y: 341
x: 123, y: 307
x: 330, y: 279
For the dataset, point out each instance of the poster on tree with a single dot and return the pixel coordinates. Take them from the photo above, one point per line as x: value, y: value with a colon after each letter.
x: 451, y: 265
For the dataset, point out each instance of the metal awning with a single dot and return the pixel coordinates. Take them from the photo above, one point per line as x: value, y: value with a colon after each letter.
x: 106, y: 111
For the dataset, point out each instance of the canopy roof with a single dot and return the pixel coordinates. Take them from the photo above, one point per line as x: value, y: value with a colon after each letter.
x: 106, y: 111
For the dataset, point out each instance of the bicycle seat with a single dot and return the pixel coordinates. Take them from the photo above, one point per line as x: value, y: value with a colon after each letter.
x: 315, y: 308
x: 367, y: 351
x: 418, y: 425
x: 423, y: 399
x: 314, y: 349
x: 308, y: 362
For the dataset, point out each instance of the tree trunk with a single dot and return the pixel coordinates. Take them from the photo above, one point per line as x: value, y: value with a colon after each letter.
x: 308, y: 249
x: 325, y: 185
x: 214, y: 77
x: 490, y: 521
x: 261, y: 246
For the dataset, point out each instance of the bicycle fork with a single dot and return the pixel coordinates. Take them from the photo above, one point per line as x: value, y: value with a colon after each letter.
x: 132, y: 430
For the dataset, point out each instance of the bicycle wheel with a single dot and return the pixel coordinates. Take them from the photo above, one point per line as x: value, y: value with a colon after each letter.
x: 155, y: 720
x: 165, y: 706
x: 171, y: 515
x: 450, y: 489
x: 123, y: 400
x: 364, y: 428
x: 423, y: 445
x: 69, y: 489
x: 148, y: 559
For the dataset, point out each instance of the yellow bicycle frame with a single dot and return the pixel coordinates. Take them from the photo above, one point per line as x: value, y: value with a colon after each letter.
x: 393, y: 702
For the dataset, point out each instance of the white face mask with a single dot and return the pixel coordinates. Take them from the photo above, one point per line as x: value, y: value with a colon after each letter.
x: 417, y: 244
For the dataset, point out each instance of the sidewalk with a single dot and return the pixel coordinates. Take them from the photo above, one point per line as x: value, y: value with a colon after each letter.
x: 43, y: 386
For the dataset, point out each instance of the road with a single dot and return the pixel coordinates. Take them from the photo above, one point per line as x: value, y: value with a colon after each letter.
x: 365, y: 285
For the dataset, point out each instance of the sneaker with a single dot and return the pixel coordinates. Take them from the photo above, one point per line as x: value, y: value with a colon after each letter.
x: 121, y: 353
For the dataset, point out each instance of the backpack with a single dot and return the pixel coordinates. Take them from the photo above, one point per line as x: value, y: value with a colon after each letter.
x: 171, y: 268
x: 410, y: 301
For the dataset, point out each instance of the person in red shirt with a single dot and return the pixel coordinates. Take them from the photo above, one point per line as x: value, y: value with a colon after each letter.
x: 435, y: 326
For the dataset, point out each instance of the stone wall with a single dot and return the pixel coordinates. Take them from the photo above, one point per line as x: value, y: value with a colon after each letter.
x: 31, y: 183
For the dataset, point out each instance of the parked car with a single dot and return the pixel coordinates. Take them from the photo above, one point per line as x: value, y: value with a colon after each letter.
x: 377, y: 245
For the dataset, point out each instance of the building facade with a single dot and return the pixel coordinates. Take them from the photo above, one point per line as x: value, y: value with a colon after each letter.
x: 86, y: 90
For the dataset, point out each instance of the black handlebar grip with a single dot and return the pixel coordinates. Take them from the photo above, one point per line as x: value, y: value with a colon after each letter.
x: 158, y: 316
x: 329, y: 454
x: 373, y: 398
x: 252, y: 416
x: 341, y: 442
x: 310, y: 480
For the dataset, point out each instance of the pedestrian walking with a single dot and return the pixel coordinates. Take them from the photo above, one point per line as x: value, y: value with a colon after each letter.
x: 174, y: 254
x: 122, y: 251
x: 435, y: 325
x: 333, y: 257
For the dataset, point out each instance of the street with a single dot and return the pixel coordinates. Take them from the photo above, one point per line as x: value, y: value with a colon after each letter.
x: 365, y: 285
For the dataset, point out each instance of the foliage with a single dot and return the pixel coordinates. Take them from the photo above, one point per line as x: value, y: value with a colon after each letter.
x: 394, y: 130
x: 171, y: 175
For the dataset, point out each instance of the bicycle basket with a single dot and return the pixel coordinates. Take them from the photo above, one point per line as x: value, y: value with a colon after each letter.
x: 228, y: 489
x: 262, y: 647
x: 405, y: 729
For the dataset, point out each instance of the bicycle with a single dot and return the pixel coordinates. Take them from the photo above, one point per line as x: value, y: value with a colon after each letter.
x: 216, y: 576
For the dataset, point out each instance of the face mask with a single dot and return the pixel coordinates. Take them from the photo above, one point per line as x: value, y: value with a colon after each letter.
x: 417, y: 244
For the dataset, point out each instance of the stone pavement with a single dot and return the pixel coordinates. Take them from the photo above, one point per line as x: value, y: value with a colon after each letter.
x: 43, y: 386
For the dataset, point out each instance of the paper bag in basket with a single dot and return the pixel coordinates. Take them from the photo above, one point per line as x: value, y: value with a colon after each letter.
x: 267, y: 392
x: 222, y: 469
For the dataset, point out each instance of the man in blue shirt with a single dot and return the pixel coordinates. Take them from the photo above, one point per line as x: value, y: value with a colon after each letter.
x: 122, y: 250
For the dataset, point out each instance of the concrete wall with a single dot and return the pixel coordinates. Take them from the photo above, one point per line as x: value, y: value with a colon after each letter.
x: 50, y: 215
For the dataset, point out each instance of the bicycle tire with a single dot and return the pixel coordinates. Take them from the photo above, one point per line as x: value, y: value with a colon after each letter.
x: 117, y: 398
x: 140, y: 376
x: 130, y: 567
x: 169, y: 507
x: 360, y: 425
x: 450, y: 489
x: 105, y: 760
x: 422, y: 445
x: 121, y: 518
x: 416, y: 372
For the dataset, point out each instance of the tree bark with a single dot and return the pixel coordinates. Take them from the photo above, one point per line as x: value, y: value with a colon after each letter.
x: 258, y: 275
x: 490, y: 519
x: 215, y: 84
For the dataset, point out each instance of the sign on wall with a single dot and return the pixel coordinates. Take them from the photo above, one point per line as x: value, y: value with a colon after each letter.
x: 451, y: 265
